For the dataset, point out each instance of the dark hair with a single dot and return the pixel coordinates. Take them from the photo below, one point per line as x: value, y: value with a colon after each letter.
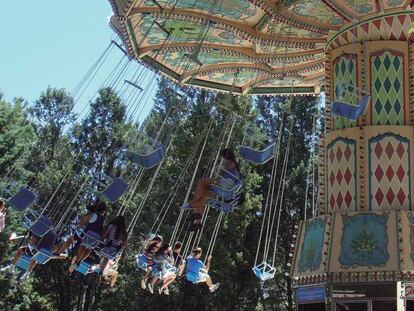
x: 197, y: 251
x: 163, y: 248
x: 157, y: 238
x: 178, y: 245
x: 1, y: 202
x: 228, y: 154
x: 98, y: 207
x: 120, y: 224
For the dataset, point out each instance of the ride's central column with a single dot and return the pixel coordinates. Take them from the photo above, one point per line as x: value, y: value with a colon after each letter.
x: 362, y: 244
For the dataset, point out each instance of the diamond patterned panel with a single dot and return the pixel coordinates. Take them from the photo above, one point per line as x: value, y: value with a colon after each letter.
x: 389, y: 167
x: 345, y: 71
x: 387, y: 88
x: 341, y: 172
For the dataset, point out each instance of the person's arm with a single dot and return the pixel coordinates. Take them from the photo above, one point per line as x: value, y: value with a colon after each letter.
x: 84, y: 220
x: 105, y: 233
x: 125, y: 242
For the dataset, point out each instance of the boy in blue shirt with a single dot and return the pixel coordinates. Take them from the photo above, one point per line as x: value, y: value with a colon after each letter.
x: 197, y: 272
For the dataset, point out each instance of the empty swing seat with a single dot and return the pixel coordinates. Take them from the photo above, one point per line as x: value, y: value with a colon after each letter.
x: 148, y: 160
x: 91, y: 239
x: 114, y: 190
x: 41, y: 226
x: 264, y: 271
x: 257, y: 156
x: 24, y: 262
x: 142, y: 262
x: 22, y: 200
x: 351, y: 112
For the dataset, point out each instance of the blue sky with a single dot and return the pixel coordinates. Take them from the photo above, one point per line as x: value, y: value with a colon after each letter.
x: 50, y: 42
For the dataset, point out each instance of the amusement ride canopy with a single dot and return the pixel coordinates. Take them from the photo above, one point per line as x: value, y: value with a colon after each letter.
x: 240, y: 46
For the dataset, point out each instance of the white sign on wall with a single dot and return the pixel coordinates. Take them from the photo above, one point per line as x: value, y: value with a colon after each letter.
x: 409, y: 291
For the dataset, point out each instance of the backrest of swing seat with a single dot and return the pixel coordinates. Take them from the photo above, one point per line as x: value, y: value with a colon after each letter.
x: 91, y: 239
x: 153, y: 158
x: 109, y: 252
x: 222, y: 206
x: 41, y: 226
x: 226, y: 194
x: 257, y: 156
x: 114, y: 190
x: 142, y: 261
x: 24, y: 262
x: 22, y: 200
x: 42, y: 256
x: 29, y: 218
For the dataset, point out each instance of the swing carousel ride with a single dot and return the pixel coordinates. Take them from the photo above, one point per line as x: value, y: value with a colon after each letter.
x: 356, y: 253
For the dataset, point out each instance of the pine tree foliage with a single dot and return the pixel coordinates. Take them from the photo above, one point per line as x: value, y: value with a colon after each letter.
x: 67, y: 150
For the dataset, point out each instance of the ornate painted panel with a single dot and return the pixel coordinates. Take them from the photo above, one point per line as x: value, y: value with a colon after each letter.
x: 312, y: 245
x: 241, y: 10
x: 345, y: 70
x: 364, y: 240
x: 389, y: 168
x: 341, y: 174
x: 387, y: 87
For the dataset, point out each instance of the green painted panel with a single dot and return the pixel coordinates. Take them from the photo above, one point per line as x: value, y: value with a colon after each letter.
x: 387, y: 88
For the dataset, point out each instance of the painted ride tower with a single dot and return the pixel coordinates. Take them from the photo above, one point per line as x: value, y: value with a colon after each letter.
x: 359, y: 253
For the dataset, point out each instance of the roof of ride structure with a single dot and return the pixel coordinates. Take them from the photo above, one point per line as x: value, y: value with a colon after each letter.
x: 243, y: 46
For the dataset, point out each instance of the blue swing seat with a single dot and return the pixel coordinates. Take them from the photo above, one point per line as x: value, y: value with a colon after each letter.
x: 228, y: 188
x: 22, y: 200
x: 264, y: 271
x: 257, y: 156
x: 24, y: 262
x: 91, y: 240
x: 150, y: 159
x: 84, y: 268
x: 109, y: 252
x: 41, y: 226
x: 42, y: 256
x: 223, y: 206
x: 351, y: 112
x: 142, y: 262
x: 114, y: 190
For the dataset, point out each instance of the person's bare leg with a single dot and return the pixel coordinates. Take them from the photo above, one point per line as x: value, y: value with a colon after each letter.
x: 65, y: 245
x: 31, y: 266
x: 103, y: 264
x: 84, y: 254
x: 200, y: 208
x: 201, y: 189
x: 167, y: 282
x: 209, y: 283
x: 18, y: 254
x: 114, y: 277
x: 154, y: 280
x: 145, y: 278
